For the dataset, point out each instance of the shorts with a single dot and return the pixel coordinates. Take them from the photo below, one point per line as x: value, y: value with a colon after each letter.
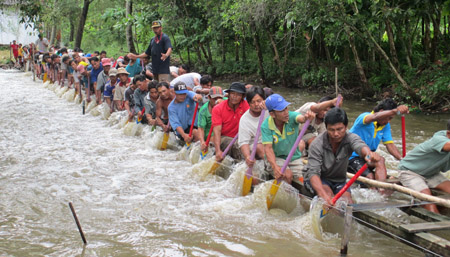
x: 185, y: 131
x: 356, y: 164
x: 334, y: 186
x: 296, y: 166
x: 234, y: 152
x: 417, y: 182
x: 162, y: 77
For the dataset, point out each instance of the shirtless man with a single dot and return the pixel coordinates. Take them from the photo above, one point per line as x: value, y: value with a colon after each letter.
x: 165, y: 97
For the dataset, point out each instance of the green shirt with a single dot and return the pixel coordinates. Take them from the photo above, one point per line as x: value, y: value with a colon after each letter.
x: 204, y: 119
x: 428, y: 158
x: 282, y: 142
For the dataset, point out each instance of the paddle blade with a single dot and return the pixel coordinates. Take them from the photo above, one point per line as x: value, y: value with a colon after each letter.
x: 164, y: 142
x: 247, y: 186
x: 316, y: 213
x: 272, y: 193
x: 214, y: 168
x: 188, y: 145
x: 203, y: 154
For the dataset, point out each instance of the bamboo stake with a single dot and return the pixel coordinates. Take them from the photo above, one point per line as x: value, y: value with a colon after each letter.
x: 78, y: 223
x: 336, y: 80
x: 402, y: 189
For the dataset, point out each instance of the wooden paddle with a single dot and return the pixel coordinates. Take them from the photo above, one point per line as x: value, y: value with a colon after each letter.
x: 403, y: 136
x: 204, y: 153
x: 165, y: 139
x: 188, y: 144
x: 276, y: 184
x: 217, y: 164
x: 247, y: 186
x: 141, y: 113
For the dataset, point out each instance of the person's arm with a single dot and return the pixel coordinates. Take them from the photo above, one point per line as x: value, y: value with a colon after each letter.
x: 270, y: 155
x: 136, y: 56
x: 402, y: 109
x: 316, y: 184
x: 164, y: 56
x: 174, y: 74
x: 393, y: 150
x: 245, y: 149
x: 302, y: 118
x: 158, y: 114
x: 446, y: 147
x: 217, y: 130
x: 325, y: 105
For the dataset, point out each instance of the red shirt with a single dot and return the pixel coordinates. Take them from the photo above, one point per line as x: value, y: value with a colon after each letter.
x: 223, y: 115
x: 15, y: 49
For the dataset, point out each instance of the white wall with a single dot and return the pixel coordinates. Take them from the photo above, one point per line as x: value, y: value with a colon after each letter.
x: 11, y: 29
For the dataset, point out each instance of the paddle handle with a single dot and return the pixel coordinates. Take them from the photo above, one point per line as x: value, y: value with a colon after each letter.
x: 349, y: 183
x: 229, y: 146
x: 403, y: 136
x: 338, y: 101
x: 255, y: 142
x: 209, y: 135
x: 294, y: 147
x: 193, y: 120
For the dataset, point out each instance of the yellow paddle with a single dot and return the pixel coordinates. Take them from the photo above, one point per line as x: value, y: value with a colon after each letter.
x: 217, y: 164
x: 165, y: 139
x: 276, y: 184
x: 247, y: 186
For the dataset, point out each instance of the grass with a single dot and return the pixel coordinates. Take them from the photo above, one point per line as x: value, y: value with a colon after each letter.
x: 4, y: 56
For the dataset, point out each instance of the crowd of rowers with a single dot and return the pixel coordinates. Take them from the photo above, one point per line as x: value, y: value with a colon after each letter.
x: 330, y: 147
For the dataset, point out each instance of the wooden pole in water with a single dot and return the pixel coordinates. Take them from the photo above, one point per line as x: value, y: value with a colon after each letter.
x: 347, y: 226
x: 78, y: 223
x: 32, y: 63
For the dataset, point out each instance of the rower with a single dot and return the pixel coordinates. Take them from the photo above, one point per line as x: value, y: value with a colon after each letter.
x: 119, y: 91
x: 215, y: 96
x: 150, y: 103
x: 325, y: 174
x: 279, y: 133
x: 421, y: 168
x: 248, y: 126
x: 129, y: 99
x: 165, y: 98
x: 374, y: 127
x: 139, y: 97
x: 181, y: 111
x: 206, y: 82
x: 317, y: 126
x: 225, y: 120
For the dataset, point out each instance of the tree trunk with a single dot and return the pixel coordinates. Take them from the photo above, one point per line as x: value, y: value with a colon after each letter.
x: 391, y: 39
x: 260, y: 56
x: 427, y: 38
x: 207, y: 58
x: 236, y: 48
x: 53, y: 34
x: 72, y: 30
x: 436, y: 36
x: 224, y: 52
x: 367, y: 91
x: 129, y: 29
x: 83, y: 16
x: 244, y: 51
x: 277, y: 58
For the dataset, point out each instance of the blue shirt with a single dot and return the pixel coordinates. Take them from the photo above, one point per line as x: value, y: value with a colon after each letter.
x: 95, y: 72
x: 135, y: 69
x: 180, y: 114
x: 370, y: 133
x: 109, y: 89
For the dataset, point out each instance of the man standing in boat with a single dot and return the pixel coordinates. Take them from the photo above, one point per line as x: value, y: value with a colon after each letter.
x: 279, y: 133
x: 326, y: 171
x: 374, y: 127
x: 225, y: 120
x: 181, y: 111
x: 248, y: 126
x: 421, y: 168
x: 159, y: 49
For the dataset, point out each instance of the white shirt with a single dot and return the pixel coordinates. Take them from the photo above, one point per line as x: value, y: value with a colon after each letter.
x: 187, y: 78
x: 247, y: 128
x: 40, y: 45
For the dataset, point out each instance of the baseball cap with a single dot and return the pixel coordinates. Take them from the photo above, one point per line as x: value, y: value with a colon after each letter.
x: 88, y: 55
x: 276, y: 102
x: 180, y: 88
x: 156, y: 24
x: 237, y: 87
x: 215, y: 92
x: 106, y: 62
x: 113, y: 72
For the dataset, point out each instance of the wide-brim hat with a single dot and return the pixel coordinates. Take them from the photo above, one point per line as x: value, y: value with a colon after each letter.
x: 276, y: 102
x: 122, y: 71
x: 237, y: 87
